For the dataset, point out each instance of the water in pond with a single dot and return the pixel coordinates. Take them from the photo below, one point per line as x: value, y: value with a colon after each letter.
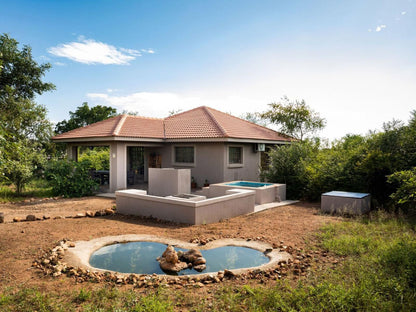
x: 140, y: 258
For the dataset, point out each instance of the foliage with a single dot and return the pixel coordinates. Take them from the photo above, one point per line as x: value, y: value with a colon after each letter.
x: 405, y: 194
x: 20, y: 75
x: 287, y: 165
x: 295, y: 119
x: 98, y: 156
x: 34, y: 188
x: 83, y: 116
x: 70, y: 178
x: 354, y: 163
x: 24, y: 128
x: 102, y: 299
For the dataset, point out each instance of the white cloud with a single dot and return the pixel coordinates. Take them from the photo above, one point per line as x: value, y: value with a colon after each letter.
x: 89, y: 51
x: 59, y: 64
x: 403, y: 13
x: 380, y: 27
x: 150, y: 51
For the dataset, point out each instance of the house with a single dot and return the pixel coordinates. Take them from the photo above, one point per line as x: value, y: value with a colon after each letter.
x: 216, y: 146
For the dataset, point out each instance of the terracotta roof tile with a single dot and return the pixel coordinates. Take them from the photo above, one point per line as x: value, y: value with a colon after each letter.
x: 201, y: 122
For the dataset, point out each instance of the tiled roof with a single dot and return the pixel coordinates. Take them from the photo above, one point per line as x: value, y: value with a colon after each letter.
x: 199, y: 123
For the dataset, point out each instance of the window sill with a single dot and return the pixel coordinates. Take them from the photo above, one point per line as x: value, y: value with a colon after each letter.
x: 235, y: 165
x: 184, y: 164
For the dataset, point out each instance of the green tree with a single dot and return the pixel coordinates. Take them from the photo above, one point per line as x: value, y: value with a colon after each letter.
x: 295, y: 119
x: 84, y: 115
x: 24, y: 127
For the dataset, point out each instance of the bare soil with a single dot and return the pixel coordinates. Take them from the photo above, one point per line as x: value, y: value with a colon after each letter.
x: 23, y: 242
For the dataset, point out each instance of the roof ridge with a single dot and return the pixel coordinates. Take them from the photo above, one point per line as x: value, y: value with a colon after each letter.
x: 222, y: 130
x: 119, y: 125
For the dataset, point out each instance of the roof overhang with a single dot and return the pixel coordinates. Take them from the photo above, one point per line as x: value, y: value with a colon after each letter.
x: 157, y: 140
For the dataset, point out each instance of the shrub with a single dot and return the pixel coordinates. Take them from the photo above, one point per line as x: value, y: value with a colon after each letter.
x: 405, y: 194
x: 99, y: 157
x: 71, y: 179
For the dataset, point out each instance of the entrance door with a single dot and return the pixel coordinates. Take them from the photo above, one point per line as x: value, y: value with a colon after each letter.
x: 135, y: 165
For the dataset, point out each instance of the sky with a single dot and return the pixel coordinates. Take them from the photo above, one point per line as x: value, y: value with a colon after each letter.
x: 352, y: 61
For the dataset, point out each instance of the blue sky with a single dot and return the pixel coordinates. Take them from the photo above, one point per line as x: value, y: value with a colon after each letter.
x: 354, y: 62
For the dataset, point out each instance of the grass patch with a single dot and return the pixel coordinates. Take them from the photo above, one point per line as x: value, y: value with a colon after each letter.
x: 378, y: 273
x: 37, y: 188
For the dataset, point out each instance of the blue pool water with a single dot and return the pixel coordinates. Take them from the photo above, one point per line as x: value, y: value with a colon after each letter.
x: 140, y: 258
x: 249, y: 184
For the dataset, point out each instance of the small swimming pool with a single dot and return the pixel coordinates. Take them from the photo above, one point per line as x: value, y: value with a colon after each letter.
x: 140, y: 258
x: 248, y: 184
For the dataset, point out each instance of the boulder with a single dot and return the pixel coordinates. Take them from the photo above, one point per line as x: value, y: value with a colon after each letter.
x: 172, y: 267
x: 1, y: 217
x: 200, y: 267
x: 30, y: 218
x: 191, y: 255
x: 170, y: 255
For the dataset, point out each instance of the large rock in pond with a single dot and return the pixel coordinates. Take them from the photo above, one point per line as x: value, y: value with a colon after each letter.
x: 169, y: 261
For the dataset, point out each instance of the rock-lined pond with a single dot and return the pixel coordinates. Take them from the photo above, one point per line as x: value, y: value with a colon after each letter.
x: 141, y: 258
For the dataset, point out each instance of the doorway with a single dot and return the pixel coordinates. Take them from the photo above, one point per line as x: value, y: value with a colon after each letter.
x: 135, y: 165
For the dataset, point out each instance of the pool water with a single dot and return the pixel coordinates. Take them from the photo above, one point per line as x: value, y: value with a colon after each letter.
x: 249, y: 184
x: 140, y: 258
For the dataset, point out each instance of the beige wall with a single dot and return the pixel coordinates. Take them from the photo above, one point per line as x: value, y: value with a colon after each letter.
x: 250, y: 169
x: 232, y: 203
x: 211, y: 162
x: 169, y: 181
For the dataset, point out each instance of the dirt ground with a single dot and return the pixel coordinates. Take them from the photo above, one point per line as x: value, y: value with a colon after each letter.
x: 22, y: 242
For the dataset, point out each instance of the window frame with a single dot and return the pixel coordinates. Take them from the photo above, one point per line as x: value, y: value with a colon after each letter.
x: 235, y: 165
x: 186, y: 164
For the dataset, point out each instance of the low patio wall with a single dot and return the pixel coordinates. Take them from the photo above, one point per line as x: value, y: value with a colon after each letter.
x: 264, y: 194
x: 169, y: 181
x: 230, y: 203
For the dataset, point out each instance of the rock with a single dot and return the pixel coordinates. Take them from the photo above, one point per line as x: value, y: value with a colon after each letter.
x: 228, y: 273
x: 191, y: 255
x: 199, y: 261
x: 98, y: 214
x: 1, y: 217
x: 170, y: 255
x: 80, y: 215
x: 109, y: 211
x: 30, y: 218
x: 71, y: 244
x: 59, y: 217
x: 200, y: 267
x: 17, y: 219
x: 89, y: 214
x: 172, y: 267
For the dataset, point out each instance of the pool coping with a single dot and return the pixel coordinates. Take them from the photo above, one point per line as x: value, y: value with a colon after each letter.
x: 79, y: 255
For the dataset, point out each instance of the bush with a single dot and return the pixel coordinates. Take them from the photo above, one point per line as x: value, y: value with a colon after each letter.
x: 71, y: 179
x: 288, y: 166
x: 98, y: 156
x: 405, y: 194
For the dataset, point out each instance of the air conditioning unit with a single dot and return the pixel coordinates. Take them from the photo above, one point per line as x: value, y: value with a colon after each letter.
x: 259, y: 147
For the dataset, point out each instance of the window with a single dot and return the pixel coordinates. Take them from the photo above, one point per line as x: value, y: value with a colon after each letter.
x: 235, y: 155
x: 184, y: 154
